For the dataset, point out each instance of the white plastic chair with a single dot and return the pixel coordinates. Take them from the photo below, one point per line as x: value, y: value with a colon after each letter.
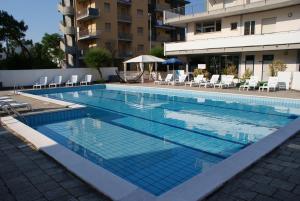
x: 56, y: 82
x: 271, y: 84
x: 197, y: 80
x: 226, y: 81
x: 41, y: 83
x: 87, y: 80
x: 180, y: 81
x: 252, y: 83
x: 167, y: 79
x: 214, y: 80
x: 73, y: 81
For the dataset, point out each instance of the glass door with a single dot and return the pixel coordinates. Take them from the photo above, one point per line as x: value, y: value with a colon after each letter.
x: 267, y: 60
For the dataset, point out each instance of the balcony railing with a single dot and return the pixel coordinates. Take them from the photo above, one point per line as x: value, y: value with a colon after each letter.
x: 193, y: 10
x: 162, y: 7
x: 125, y: 36
x: 88, y: 34
x: 127, y: 2
x: 68, y: 30
x: 124, y: 18
x: 87, y: 14
x: 65, y: 10
x: 160, y: 24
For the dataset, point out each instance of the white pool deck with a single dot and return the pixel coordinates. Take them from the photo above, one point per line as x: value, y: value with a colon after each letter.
x: 118, y: 189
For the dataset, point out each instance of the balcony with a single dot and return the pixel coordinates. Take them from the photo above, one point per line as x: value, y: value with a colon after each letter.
x: 89, y: 34
x: 198, y: 12
x: 87, y: 14
x: 125, y: 2
x: 68, y: 30
x: 67, y: 49
x: 125, y: 37
x: 124, y: 18
x: 160, y: 24
x: 265, y: 42
x: 65, y: 10
x: 125, y: 54
x: 162, y: 7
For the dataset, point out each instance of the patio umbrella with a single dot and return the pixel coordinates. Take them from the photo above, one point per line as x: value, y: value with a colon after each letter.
x: 173, y: 61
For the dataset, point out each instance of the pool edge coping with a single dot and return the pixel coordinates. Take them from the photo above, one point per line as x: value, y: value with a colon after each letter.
x: 209, y: 181
x: 209, y: 92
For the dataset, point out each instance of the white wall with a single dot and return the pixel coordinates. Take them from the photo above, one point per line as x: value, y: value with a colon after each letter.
x: 10, y: 78
x: 289, y: 57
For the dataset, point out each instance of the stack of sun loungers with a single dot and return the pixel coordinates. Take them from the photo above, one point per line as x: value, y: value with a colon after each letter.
x: 6, y: 103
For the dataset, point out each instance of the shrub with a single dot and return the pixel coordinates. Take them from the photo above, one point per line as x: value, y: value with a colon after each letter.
x: 247, y: 74
x: 157, y: 51
x: 277, y: 66
x: 230, y: 70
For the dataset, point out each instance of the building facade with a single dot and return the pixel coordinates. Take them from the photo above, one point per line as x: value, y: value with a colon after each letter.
x: 121, y: 26
x: 250, y: 34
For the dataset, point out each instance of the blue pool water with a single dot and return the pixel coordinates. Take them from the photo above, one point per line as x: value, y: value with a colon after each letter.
x: 156, y: 139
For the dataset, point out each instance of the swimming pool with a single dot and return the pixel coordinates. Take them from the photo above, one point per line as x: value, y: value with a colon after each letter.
x: 157, y: 139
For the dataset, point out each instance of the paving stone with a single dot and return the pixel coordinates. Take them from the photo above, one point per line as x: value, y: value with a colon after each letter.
x: 45, y: 187
x: 55, y: 193
x: 264, y: 189
x: 7, y: 197
x: 80, y: 191
x: 71, y: 183
x: 40, y: 179
x: 274, y: 167
x: 244, y: 194
x: 261, y: 179
x: 258, y: 170
x: 282, y: 184
x: 285, y: 196
x: 90, y: 197
x: 263, y: 198
x: 297, y: 190
x: 29, y: 196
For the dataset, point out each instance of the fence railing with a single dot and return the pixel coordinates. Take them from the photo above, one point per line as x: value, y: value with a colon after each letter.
x: 89, y: 33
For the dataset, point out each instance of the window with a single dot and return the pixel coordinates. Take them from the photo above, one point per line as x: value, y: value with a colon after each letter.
x: 107, y: 7
x: 233, y: 26
x: 249, y: 28
x: 140, y: 48
x: 139, y: 12
x: 107, y: 26
x: 140, y: 30
x: 209, y: 26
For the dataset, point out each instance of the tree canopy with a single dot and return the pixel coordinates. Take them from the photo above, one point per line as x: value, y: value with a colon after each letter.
x: 97, y: 58
x: 158, y: 52
x: 12, y: 33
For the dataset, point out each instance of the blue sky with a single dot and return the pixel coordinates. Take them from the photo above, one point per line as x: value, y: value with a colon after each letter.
x: 41, y: 16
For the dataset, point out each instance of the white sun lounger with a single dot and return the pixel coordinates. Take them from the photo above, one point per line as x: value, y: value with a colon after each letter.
x: 226, y: 81
x: 214, y: 79
x: 197, y: 80
x: 180, y: 80
x: 271, y: 84
x: 87, y: 80
x: 252, y: 83
x: 167, y: 79
x: 42, y: 82
x: 73, y: 81
x: 56, y: 82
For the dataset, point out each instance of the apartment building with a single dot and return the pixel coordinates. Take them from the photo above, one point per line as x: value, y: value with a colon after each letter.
x: 161, y: 32
x: 247, y: 33
x: 121, y: 26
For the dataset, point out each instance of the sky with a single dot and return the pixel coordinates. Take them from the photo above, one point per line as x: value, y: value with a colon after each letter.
x: 41, y: 16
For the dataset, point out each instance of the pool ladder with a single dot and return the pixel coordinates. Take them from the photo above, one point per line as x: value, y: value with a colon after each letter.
x: 11, y: 110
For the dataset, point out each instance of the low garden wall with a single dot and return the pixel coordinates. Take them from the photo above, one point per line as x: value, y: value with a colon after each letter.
x: 11, y: 78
